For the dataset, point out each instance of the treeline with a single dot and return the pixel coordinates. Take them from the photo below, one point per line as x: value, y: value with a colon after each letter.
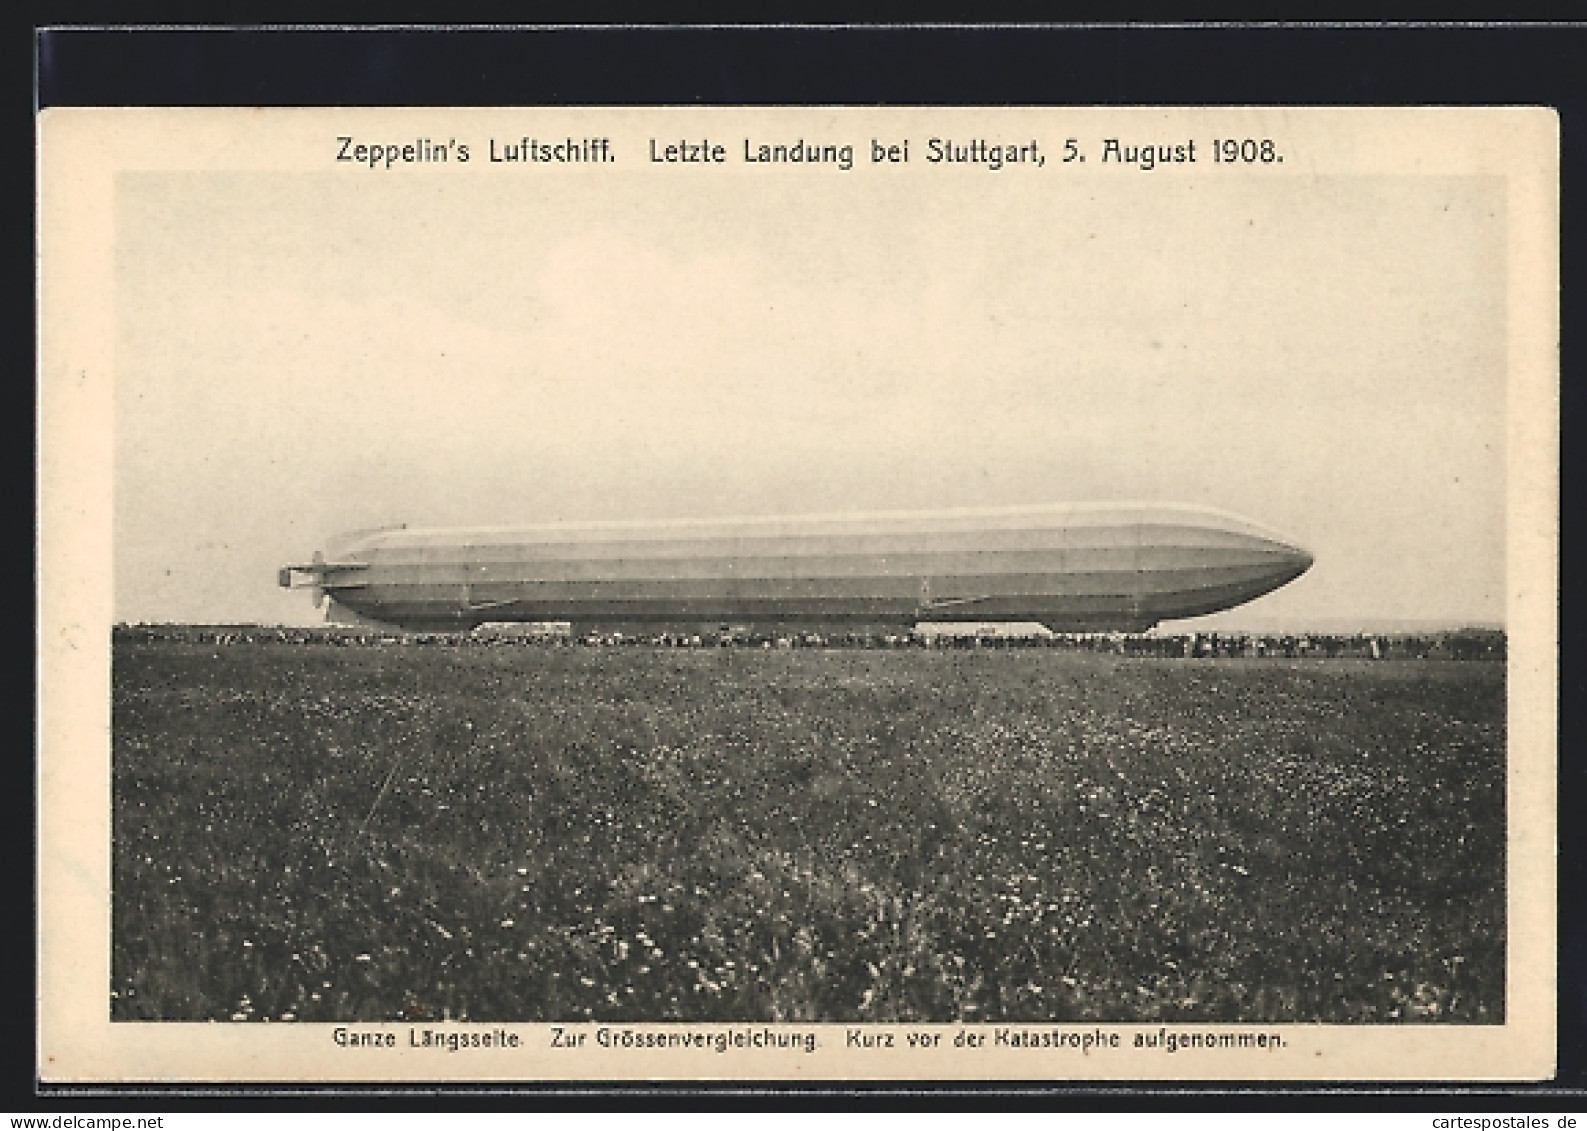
x: 1463, y: 644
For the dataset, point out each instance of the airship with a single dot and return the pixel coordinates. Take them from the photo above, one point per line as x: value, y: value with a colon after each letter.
x: 1084, y: 567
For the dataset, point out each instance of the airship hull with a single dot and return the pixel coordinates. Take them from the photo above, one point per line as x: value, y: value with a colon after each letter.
x: 1072, y: 568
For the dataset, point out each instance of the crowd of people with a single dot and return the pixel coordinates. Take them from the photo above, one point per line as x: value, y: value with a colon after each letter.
x: 1463, y: 644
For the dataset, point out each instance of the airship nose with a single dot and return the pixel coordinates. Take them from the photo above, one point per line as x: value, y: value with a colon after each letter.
x: 1296, y: 560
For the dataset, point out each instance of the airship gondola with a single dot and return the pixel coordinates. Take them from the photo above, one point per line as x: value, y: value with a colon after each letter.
x: 1071, y: 567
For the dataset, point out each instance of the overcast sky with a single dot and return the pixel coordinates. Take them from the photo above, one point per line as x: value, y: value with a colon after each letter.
x: 299, y: 354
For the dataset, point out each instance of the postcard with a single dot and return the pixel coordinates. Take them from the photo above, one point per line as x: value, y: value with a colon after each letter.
x: 797, y: 593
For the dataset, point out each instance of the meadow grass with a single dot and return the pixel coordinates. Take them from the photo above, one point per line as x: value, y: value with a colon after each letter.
x: 307, y: 832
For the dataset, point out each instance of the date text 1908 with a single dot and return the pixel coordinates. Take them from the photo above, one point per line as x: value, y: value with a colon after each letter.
x: 1248, y: 151
x: 1225, y: 151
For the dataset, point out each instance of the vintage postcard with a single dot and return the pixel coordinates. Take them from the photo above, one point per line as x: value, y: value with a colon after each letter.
x: 797, y: 594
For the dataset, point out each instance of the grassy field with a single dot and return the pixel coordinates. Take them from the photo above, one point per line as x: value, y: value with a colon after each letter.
x: 319, y: 833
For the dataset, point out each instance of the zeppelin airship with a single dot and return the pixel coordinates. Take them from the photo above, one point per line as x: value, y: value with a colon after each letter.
x: 1071, y: 567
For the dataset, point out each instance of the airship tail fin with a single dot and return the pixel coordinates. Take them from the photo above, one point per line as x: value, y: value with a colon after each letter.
x: 320, y: 575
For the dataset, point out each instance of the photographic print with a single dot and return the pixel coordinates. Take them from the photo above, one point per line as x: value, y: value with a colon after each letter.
x: 828, y: 592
